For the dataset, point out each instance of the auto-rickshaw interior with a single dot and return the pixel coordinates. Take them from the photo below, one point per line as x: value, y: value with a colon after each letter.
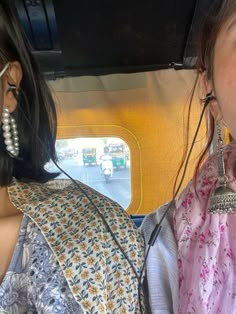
x: 121, y: 74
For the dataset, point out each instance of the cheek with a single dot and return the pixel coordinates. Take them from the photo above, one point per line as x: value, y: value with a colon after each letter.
x: 225, y: 68
x: 225, y: 77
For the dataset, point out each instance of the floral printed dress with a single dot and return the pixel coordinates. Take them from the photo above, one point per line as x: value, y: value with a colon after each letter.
x: 191, y: 268
x: 66, y: 259
x: 34, y: 282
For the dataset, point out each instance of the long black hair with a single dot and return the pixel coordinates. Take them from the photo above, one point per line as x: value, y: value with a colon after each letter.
x: 35, y: 113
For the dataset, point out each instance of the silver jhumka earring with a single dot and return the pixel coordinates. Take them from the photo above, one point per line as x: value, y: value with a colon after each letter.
x: 10, y: 133
x: 223, y: 198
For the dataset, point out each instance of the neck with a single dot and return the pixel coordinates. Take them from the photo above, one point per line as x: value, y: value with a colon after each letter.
x: 6, y: 207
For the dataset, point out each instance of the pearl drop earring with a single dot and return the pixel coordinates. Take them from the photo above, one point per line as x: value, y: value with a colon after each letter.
x: 10, y: 133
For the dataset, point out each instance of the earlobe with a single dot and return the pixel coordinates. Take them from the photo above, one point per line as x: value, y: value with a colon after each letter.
x: 9, y: 99
x: 213, y: 104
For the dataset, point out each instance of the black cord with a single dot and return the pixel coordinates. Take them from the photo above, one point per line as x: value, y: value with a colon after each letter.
x: 140, y: 287
x: 13, y: 90
x: 157, y: 229
x: 102, y: 217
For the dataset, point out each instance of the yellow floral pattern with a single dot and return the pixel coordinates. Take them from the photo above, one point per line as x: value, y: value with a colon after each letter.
x: 92, y: 263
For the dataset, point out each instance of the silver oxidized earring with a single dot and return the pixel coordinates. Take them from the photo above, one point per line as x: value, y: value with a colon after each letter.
x: 10, y: 133
x: 223, y: 198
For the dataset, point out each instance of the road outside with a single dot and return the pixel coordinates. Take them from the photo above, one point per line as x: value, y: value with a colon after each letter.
x: 118, y: 188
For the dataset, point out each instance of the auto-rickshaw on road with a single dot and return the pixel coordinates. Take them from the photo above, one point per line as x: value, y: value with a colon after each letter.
x: 89, y: 156
x: 118, y: 154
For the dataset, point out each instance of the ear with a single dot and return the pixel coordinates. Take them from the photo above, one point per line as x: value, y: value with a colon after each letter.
x: 12, y: 76
x: 213, y: 105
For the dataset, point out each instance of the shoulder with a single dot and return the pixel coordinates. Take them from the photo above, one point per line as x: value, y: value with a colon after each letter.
x: 77, y: 208
x: 86, y: 197
x: 67, y: 190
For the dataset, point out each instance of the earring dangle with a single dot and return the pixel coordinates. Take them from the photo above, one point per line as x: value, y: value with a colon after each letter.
x: 10, y: 133
x: 223, y: 198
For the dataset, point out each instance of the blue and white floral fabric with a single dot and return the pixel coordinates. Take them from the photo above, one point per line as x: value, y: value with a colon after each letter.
x: 68, y: 254
x: 34, y: 282
x: 73, y: 218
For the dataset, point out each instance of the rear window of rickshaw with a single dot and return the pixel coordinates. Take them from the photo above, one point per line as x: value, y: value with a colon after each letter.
x: 102, y: 163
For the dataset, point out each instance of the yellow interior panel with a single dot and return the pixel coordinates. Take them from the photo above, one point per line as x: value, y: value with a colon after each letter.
x: 147, y: 111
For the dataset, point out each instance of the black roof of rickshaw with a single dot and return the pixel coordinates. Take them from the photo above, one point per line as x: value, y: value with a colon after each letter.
x: 91, y: 37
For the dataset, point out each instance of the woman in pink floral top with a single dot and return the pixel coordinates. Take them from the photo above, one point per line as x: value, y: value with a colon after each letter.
x: 192, y: 266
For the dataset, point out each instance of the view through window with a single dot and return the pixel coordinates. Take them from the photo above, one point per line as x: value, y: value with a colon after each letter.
x: 103, y: 163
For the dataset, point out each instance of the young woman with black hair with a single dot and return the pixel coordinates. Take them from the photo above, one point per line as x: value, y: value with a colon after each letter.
x: 60, y: 248
x: 191, y: 267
